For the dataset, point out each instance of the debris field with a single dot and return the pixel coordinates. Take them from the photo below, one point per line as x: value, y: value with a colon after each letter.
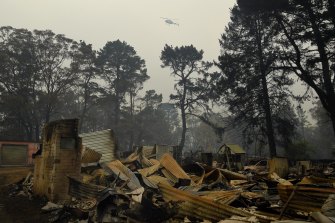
x: 71, y: 183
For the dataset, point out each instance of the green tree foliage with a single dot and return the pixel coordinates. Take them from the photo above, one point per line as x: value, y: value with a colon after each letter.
x: 46, y: 76
x: 18, y: 79
x: 250, y: 85
x: 84, y: 60
x: 202, y: 137
x: 152, y: 125
x: 262, y: 4
x: 34, y: 76
x: 191, y: 73
x: 299, y: 150
x: 53, y: 53
x: 286, y: 125
x: 308, y: 42
x: 171, y: 116
x: 322, y: 133
x: 124, y: 72
x: 147, y: 125
x: 151, y: 99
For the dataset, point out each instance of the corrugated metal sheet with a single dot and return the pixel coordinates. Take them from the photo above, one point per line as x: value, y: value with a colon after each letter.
x: 102, y: 142
x: 279, y: 165
x: 149, y: 151
x: 234, y: 148
x: 230, y: 175
x: 124, y: 173
x: 172, y: 170
x: 317, y: 180
x: 237, y: 149
x: 202, y: 207
x: 82, y: 190
x: 156, y: 151
x: 196, y: 172
x: 156, y: 179
x: 90, y: 156
x: 149, y: 170
x: 306, y: 198
x: 221, y: 197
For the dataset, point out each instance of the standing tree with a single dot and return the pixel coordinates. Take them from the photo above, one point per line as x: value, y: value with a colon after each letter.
x: 124, y: 71
x: 84, y: 65
x: 34, y: 76
x: 307, y: 31
x: 152, y: 125
x: 192, y: 84
x: 170, y: 112
x: 322, y: 131
x: 151, y: 99
x: 308, y: 39
x: 19, y: 84
x: 136, y: 84
x: 253, y: 90
x: 54, y: 54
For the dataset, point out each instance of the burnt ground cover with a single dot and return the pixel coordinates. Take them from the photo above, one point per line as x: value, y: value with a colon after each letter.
x: 17, y: 208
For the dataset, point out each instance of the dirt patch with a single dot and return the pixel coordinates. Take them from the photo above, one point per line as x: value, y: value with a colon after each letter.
x: 10, y: 175
x: 19, y: 209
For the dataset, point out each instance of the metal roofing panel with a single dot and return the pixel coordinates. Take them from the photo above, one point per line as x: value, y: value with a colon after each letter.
x: 124, y: 173
x: 149, y: 170
x: 236, y: 148
x: 170, y: 164
x: 148, y: 151
x: 306, y: 198
x: 82, y: 190
x: 90, y: 156
x: 156, y: 179
x: 102, y: 142
x: 172, y: 170
x: 230, y: 175
x: 221, y: 197
x: 203, y: 207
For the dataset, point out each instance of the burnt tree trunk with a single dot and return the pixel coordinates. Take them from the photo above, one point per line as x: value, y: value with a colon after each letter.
x: 329, y: 104
x: 183, y: 118
x: 265, y: 94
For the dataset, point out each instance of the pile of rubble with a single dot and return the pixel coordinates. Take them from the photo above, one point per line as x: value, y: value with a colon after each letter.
x: 140, y: 189
x: 24, y: 187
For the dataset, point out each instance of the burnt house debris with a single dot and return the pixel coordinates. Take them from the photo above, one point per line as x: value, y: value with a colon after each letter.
x: 60, y: 156
x: 84, y: 180
x: 16, y: 160
x: 102, y: 142
x: 17, y: 153
x: 233, y: 155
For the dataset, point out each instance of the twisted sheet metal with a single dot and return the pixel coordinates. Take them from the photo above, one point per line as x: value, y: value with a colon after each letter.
x: 307, y: 198
x: 204, y: 208
x: 90, y: 156
x: 173, y: 171
x: 82, y: 190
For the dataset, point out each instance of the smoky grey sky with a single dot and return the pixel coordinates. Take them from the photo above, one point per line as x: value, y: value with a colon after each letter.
x: 138, y: 22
